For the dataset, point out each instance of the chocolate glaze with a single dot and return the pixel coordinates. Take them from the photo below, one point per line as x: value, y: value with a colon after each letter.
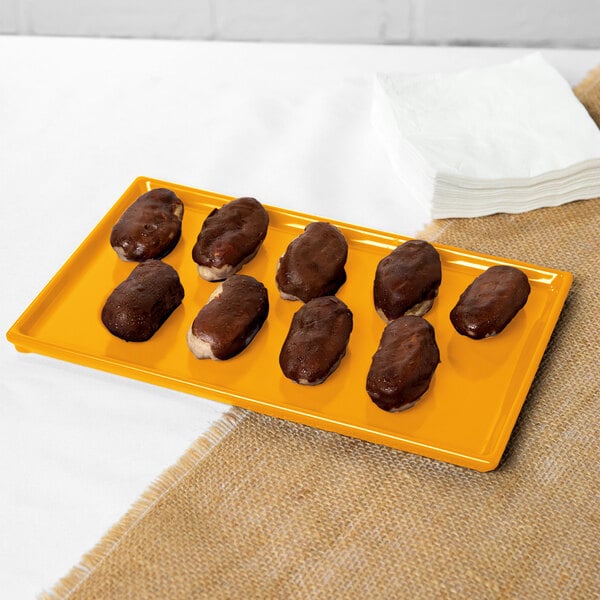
x: 402, y: 367
x: 313, y: 263
x: 138, y: 306
x: 229, y: 321
x: 407, y: 280
x: 316, y: 341
x: 231, y: 235
x: 150, y: 227
x: 490, y: 303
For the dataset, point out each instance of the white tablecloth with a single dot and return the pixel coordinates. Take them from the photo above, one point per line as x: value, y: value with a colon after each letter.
x: 79, y: 120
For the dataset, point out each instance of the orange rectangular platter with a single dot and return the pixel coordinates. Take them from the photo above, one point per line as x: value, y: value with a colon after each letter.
x: 466, y: 417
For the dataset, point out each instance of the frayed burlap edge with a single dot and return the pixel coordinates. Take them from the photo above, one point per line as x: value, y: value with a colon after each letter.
x: 167, y: 481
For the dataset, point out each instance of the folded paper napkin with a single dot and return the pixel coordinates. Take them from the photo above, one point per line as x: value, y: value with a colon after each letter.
x: 507, y: 138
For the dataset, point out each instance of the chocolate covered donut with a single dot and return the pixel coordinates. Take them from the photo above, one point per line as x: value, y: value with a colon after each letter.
x: 316, y: 341
x: 150, y: 227
x: 490, y: 302
x: 404, y: 363
x: 228, y: 322
x: 313, y: 263
x: 407, y: 280
x: 230, y: 237
x: 138, y: 306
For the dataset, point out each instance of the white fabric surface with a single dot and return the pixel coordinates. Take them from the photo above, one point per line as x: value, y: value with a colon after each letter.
x: 79, y: 120
x: 505, y: 138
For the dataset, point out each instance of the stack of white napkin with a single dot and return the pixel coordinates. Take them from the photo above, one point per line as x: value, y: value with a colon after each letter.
x: 506, y: 138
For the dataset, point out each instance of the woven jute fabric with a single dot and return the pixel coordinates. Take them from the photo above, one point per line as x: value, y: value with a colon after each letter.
x: 588, y: 92
x: 264, y: 508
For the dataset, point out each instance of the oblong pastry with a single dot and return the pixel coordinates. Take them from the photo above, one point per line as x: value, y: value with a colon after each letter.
x: 230, y: 237
x: 490, y: 302
x: 228, y: 322
x: 407, y: 280
x: 138, y: 306
x: 313, y: 263
x: 316, y: 341
x: 150, y: 227
x: 404, y: 363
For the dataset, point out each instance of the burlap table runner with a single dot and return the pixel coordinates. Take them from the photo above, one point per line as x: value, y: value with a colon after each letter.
x: 588, y: 91
x: 264, y: 508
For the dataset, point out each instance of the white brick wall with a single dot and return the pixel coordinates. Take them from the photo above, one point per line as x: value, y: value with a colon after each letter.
x: 571, y: 23
x: 315, y: 20
x: 9, y: 16
x: 119, y: 18
x: 506, y: 22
